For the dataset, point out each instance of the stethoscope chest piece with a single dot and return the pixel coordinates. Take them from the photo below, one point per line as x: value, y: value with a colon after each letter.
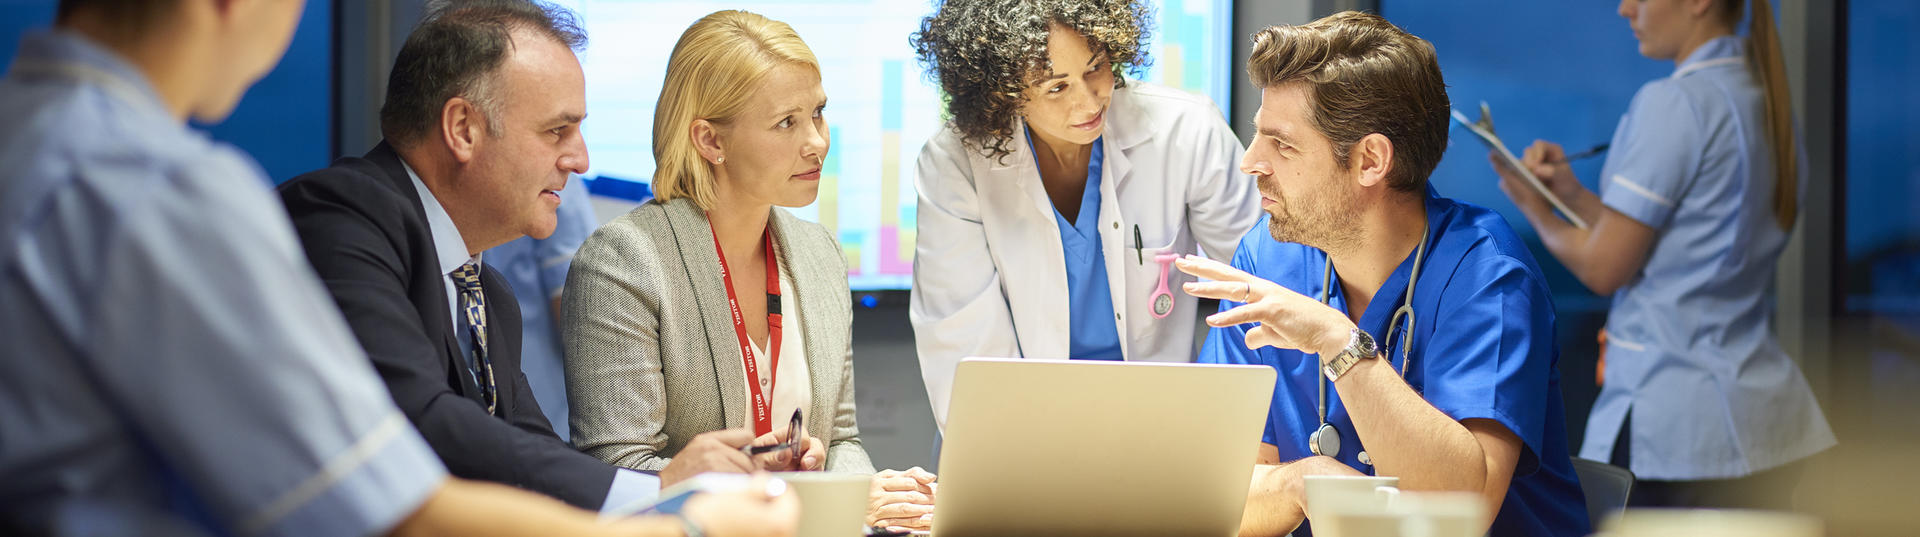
x: 1325, y: 441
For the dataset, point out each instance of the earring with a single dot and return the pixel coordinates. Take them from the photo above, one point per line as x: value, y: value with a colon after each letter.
x: 720, y: 160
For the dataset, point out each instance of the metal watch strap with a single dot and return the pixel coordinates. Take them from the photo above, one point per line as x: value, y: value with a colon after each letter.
x: 1360, y: 346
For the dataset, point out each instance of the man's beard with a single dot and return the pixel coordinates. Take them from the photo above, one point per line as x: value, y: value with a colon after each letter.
x: 1330, y: 223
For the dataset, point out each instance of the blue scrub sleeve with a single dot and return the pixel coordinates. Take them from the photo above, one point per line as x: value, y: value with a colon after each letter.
x: 1492, y: 351
x: 1228, y: 344
x: 1655, y: 154
x: 240, y: 372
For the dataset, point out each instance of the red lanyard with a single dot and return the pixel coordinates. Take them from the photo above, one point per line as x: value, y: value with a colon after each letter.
x: 762, y: 411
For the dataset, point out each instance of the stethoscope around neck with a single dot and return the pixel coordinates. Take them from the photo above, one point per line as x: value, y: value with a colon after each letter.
x: 1326, y: 439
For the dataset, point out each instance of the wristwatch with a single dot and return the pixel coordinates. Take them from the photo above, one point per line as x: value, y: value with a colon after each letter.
x: 1359, y: 347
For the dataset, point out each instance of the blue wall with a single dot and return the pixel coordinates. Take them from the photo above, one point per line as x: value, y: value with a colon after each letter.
x: 1882, y: 203
x: 1557, y: 71
x: 285, y: 121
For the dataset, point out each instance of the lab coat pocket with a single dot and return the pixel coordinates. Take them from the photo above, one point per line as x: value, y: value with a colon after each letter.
x: 1143, y: 296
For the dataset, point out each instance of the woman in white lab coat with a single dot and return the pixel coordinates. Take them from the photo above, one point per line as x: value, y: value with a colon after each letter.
x: 1045, y: 199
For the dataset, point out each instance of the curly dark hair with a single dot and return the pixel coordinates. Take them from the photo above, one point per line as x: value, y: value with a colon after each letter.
x: 983, y: 53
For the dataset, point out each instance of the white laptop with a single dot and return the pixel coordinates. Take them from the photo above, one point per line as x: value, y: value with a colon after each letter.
x: 1037, y: 447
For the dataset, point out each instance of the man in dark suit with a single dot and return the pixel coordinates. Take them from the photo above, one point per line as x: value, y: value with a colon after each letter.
x: 482, y: 126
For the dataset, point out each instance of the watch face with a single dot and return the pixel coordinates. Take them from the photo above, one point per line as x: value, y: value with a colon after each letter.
x: 1363, y: 346
x: 1162, y: 304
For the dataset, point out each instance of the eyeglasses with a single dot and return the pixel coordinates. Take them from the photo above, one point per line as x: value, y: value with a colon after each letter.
x: 795, y: 444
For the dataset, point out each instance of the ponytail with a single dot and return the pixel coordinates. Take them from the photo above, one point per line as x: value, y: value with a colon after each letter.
x: 1763, y: 51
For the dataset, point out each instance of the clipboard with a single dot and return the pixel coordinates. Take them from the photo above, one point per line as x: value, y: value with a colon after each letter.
x: 1483, y: 130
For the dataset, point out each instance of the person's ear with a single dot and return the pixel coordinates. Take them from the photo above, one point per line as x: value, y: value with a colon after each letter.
x: 1699, y: 8
x: 706, y: 140
x: 462, y: 124
x: 1371, y: 159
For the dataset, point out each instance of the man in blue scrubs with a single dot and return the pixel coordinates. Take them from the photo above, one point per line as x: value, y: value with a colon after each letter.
x: 1461, y: 393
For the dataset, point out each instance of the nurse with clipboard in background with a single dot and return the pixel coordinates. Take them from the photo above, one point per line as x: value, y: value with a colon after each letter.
x: 1696, y: 200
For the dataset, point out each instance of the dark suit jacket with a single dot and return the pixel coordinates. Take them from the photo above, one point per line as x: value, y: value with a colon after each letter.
x: 366, y: 233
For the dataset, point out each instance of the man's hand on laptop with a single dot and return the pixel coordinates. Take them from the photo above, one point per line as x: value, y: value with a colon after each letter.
x: 901, y: 500
x: 716, y: 451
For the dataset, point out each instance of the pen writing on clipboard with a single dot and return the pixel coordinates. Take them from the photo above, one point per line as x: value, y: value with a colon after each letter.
x: 1483, y: 130
x: 1589, y: 153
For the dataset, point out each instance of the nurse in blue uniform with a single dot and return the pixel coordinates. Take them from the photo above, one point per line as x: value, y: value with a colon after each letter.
x: 1413, y: 334
x: 1696, y: 200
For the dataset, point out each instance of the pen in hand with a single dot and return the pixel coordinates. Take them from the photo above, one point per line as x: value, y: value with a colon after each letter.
x: 1589, y: 153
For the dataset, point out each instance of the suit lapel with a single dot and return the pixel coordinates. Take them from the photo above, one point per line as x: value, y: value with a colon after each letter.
x: 694, y: 237
x: 503, y: 336
x: 437, y: 314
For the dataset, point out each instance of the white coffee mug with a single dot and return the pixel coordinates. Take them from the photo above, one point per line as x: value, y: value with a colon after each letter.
x: 1395, y: 513
x: 832, y: 504
x: 1347, y: 493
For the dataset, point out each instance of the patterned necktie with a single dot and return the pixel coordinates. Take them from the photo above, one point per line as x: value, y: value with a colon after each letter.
x: 474, y: 302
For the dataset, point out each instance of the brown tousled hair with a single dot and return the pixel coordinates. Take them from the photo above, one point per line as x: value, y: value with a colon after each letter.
x: 1364, y: 75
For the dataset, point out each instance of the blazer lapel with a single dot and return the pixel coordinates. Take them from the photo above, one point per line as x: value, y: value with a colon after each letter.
x: 694, y: 238
x: 437, y: 314
x: 819, y: 318
x: 503, y: 338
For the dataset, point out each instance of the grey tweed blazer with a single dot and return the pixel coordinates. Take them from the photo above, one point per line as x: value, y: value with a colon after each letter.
x: 651, y: 356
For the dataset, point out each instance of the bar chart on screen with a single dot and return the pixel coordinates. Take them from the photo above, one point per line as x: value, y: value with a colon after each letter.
x: 881, y: 105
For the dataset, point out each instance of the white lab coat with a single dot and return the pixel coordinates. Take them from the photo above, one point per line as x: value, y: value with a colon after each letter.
x: 989, y: 276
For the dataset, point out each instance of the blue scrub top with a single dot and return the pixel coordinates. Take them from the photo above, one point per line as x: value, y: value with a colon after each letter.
x: 1093, y: 334
x: 1494, y: 360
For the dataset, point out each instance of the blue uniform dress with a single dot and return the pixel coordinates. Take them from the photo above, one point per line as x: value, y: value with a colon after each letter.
x: 1690, y: 345
x: 168, y: 357
x: 1483, y: 347
x: 1093, y: 335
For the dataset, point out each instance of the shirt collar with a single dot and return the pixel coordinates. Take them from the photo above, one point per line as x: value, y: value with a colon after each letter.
x: 449, y: 248
x: 1716, y: 51
x: 63, y: 54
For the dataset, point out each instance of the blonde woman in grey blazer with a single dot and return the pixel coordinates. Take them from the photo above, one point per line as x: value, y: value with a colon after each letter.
x: 652, y: 357
x: 662, y: 303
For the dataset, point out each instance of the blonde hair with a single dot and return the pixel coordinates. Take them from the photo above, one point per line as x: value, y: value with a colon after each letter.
x: 713, y: 72
x: 1764, y: 57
